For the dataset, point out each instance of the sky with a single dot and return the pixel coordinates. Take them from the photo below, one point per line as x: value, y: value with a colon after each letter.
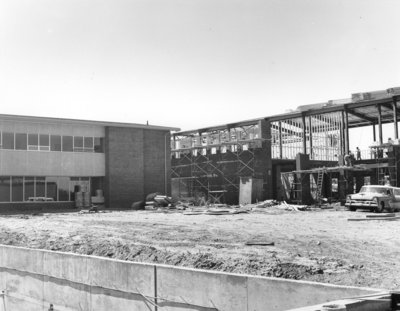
x: 191, y: 63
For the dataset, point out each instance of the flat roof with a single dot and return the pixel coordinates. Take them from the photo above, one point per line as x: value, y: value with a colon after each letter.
x: 361, y: 109
x: 85, y: 122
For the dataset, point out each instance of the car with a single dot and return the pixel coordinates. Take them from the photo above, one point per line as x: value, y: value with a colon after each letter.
x: 376, y: 198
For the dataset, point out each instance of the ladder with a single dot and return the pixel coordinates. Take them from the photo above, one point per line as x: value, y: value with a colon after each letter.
x: 296, y: 193
x: 320, y: 181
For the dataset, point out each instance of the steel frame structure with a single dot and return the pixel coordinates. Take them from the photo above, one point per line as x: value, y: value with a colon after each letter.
x: 319, y: 130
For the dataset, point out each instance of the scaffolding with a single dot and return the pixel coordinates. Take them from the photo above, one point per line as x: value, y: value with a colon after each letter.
x: 386, y: 164
x: 210, y: 163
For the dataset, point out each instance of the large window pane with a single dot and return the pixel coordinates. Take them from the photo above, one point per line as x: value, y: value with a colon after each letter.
x: 40, y: 187
x: 88, y: 144
x: 55, y: 143
x: 17, y: 189
x: 67, y: 143
x: 5, y: 189
x: 8, y: 140
x: 33, y: 139
x: 44, y: 142
x: 51, y: 186
x: 98, y: 145
x: 96, y: 184
x: 63, y: 189
x: 29, y: 188
x: 33, y: 142
x: 21, y: 141
x: 78, y: 143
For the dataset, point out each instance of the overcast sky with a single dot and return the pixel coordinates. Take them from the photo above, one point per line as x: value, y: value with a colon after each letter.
x: 191, y: 63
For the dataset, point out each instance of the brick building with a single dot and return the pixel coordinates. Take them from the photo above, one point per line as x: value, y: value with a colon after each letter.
x: 48, y: 159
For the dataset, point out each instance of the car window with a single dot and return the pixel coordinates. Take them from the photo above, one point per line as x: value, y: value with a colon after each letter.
x: 396, y: 192
x: 375, y: 190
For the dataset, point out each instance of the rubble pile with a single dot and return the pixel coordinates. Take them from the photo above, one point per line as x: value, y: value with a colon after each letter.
x: 192, y: 206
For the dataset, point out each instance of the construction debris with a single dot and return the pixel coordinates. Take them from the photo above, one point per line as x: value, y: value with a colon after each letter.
x: 383, y: 216
x: 260, y: 243
x: 191, y: 206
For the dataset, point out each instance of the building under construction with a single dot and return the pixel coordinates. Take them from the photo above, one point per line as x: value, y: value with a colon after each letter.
x: 297, y: 156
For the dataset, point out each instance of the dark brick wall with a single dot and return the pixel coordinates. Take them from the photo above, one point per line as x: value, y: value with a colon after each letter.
x: 24, y: 207
x: 157, y: 164
x: 134, y: 164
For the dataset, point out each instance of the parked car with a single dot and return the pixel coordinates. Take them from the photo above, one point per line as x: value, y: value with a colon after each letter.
x: 376, y: 198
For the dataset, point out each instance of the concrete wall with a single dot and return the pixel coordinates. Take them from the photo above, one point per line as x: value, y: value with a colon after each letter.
x: 45, y: 163
x: 55, y: 127
x: 137, y: 163
x: 34, y: 279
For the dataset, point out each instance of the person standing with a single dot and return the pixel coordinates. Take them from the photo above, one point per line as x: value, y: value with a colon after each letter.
x: 358, y: 154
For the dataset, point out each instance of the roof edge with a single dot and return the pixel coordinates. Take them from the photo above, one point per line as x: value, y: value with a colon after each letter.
x: 87, y: 122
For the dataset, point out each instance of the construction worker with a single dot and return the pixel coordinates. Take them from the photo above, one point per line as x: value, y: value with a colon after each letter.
x: 358, y: 154
x: 347, y: 159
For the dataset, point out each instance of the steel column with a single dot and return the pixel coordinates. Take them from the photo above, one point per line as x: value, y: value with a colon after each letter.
x: 310, y: 135
x: 280, y: 140
x: 342, y: 134
x: 374, y: 132
x: 380, y: 124
x: 396, y: 129
x: 303, y: 120
x: 346, y: 132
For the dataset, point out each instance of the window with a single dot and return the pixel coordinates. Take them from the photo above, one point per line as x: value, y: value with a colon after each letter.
x: 17, y: 187
x: 40, y: 184
x: 47, y: 142
x: 29, y: 184
x: 33, y: 142
x: 21, y: 142
x: 98, y: 145
x: 55, y: 143
x: 44, y: 142
x: 51, y: 188
x: 5, y: 189
x: 78, y: 143
x: 67, y: 143
x: 63, y: 189
x: 8, y: 140
x: 88, y: 144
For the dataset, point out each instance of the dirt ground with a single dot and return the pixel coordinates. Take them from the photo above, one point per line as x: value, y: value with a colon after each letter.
x: 317, y: 245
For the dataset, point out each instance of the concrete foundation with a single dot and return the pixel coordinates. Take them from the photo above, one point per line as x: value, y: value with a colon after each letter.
x: 34, y: 279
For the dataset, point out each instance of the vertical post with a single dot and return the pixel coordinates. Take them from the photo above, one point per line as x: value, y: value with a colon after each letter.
x: 303, y: 121
x: 155, y: 289
x: 396, y: 129
x: 310, y: 135
x: 380, y: 125
x: 346, y: 132
x: 373, y: 132
x: 342, y: 135
x: 280, y: 140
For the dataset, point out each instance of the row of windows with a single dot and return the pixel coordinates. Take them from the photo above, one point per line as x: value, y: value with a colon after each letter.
x: 47, y: 142
x: 31, y: 188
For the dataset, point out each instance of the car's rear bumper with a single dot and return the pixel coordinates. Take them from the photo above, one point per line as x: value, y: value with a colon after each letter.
x: 361, y: 204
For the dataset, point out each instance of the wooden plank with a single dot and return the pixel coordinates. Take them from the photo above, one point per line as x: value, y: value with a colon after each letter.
x: 376, y: 218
